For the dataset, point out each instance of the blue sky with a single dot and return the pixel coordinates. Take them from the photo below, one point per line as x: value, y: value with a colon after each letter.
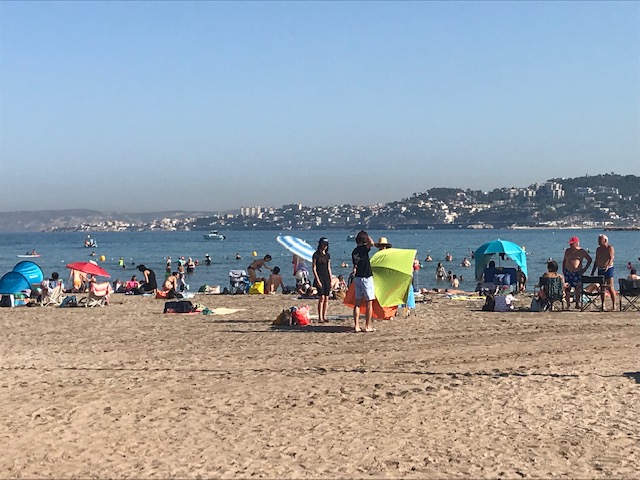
x: 145, y: 106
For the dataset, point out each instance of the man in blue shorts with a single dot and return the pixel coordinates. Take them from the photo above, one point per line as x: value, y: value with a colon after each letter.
x: 363, y: 280
x: 604, y: 263
x: 573, y: 269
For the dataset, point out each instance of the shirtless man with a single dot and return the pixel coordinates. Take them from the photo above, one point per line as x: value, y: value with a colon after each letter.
x: 256, y: 266
x: 604, y: 263
x: 573, y: 269
x: 274, y: 281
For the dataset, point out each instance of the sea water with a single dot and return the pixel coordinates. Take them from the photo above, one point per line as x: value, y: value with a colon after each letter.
x: 152, y: 248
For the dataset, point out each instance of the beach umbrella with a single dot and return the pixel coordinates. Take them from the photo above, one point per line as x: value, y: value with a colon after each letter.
x: 89, y: 267
x: 392, y: 274
x: 512, y: 250
x: 297, y: 246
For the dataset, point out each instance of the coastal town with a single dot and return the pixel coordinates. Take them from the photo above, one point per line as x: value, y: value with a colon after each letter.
x: 603, y: 201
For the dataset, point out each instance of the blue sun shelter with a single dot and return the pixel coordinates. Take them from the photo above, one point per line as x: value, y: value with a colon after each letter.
x: 13, y: 282
x: 512, y: 250
x: 31, y: 271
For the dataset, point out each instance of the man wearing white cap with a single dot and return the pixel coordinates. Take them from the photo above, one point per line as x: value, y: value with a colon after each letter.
x: 573, y: 269
x: 604, y: 263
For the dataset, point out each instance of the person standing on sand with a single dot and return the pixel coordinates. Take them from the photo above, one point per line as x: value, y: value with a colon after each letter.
x: 256, y: 266
x: 363, y: 279
x: 573, y: 269
x: 604, y: 263
x: 322, y: 274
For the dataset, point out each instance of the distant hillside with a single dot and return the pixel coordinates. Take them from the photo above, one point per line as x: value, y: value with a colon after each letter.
x: 36, y: 221
x: 627, y: 185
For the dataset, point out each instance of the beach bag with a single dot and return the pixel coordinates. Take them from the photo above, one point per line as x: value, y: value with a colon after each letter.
x: 184, y: 306
x: 284, y: 318
x: 257, y: 288
x: 300, y: 316
x: 503, y: 303
x: 489, y: 303
x: 535, y: 305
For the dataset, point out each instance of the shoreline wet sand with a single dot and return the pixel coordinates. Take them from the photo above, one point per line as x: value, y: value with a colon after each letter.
x: 126, y: 391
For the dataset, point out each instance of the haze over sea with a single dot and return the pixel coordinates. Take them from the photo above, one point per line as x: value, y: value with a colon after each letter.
x: 152, y: 248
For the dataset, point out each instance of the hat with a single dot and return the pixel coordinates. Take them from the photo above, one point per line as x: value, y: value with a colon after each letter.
x: 383, y: 242
x: 574, y: 240
x: 323, y: 240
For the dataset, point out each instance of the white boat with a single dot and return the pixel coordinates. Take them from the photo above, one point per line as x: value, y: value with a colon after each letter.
x: 29, y: 255
x: 213, y: 235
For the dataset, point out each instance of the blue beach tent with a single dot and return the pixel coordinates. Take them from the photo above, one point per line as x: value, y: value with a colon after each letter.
x: 484, y: 253
x: 13, y: 282
x: 30, y: 270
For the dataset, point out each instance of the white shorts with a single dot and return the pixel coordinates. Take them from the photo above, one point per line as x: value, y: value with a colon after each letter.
x: 364, y: 288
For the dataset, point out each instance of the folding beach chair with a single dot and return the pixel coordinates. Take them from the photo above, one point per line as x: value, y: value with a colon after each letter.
x: 98, y: 295
x: 53, y: 296
x: 238, y: 281
x: 630, y: 293
x: 553, y: 289
x: 592, y: 290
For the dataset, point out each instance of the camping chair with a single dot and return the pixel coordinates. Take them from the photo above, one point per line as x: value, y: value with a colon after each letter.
x: 98, y: 295
x: 630, y: 292
x: 53, y: 296
x: 591, y: 295
x: 553, y: 289
x: 239, y: 281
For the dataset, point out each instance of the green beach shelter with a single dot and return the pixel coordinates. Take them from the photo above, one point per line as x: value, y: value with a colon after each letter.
x: 392, y: 274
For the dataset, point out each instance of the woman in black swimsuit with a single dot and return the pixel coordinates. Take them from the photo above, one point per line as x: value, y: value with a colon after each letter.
x: 322, y: 274
x: 150, y: 285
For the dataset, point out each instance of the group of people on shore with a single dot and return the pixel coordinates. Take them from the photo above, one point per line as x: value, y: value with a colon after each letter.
x: 575, y: 265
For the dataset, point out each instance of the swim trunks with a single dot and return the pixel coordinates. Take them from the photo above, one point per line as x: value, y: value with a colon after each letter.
x: 606, y: 272
x: 572, y: 278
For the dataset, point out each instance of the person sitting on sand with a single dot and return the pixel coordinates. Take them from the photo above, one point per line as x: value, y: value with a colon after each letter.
x: 633, y: 275
x: 256, y: 266
x: 274, y: 281
x: 170, y: 286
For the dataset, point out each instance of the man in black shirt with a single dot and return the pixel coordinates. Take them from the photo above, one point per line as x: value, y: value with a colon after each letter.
x: 363, y: 280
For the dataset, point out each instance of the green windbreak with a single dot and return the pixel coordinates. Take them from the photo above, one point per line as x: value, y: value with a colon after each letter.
x: 392, y: 274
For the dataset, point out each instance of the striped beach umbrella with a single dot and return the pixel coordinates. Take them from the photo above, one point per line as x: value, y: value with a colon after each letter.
x: 297, y: 246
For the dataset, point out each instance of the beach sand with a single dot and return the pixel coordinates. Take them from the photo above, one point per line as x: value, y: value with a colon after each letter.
x: 126, y: 391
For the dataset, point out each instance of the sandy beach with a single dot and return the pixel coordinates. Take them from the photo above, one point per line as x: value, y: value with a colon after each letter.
x: 126, y: 391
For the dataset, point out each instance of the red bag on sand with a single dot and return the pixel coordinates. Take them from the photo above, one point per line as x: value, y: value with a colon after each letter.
x: 301, y: 316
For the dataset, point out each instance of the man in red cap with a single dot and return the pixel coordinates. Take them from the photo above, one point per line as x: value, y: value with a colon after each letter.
x: 573, y: 269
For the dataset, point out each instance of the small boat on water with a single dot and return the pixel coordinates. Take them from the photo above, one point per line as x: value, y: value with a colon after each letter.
x: 29, y: 255
x: 90, y: 242
x: 350, y: 238
x: 213, y: 235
